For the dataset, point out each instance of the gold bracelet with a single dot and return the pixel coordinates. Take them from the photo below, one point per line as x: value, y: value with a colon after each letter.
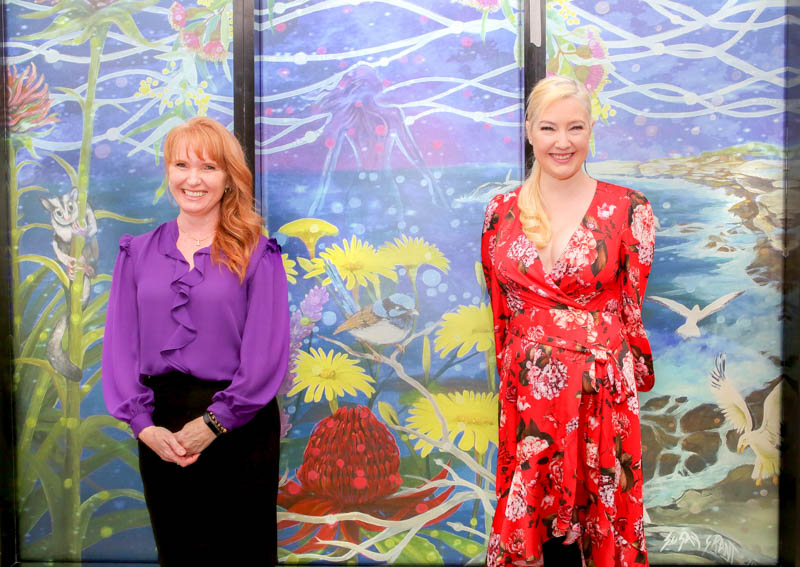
x: 216, y: 423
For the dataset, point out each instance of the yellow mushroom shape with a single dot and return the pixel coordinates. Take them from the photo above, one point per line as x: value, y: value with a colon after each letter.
x: 309, y: 230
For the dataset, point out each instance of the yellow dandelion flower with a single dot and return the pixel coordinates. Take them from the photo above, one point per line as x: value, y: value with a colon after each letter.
x: 332, y: 375
x: 358, y: 262
x: 288, y: 267
x: 470, y: 416
x: 469, y: 326
x: 411, y: 253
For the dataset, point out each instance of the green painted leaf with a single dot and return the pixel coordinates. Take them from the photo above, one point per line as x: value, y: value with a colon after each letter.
x: 467, y: 547
x: 418, y: 551
x: 108, y: 524
x: 73, y: 175
x: 508, y: 12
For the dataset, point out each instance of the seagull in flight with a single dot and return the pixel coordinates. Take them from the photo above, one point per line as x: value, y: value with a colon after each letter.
x: 694, y: 315
x: 765, y: 440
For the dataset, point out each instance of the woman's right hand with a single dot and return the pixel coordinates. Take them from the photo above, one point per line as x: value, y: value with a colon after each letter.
x: 163, y: 442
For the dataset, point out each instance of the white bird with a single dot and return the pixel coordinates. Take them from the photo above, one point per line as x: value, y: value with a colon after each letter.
x: 694, y: 315
x: 765, y: 440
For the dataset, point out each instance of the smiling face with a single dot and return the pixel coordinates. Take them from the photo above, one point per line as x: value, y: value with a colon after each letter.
x: 196, y: 182
x: 559, y: 134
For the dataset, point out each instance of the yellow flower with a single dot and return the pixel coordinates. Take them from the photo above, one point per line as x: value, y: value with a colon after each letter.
x: 470, y: 325
x: 411, y: 253
x: 288, y: 266
x: 330, y: 374
x: 470, y: 415
x: 309, y: 230
x: 357, y: 263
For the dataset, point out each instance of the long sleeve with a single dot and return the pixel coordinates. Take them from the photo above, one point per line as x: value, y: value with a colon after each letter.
x: 126, y: 397
x: 636, y: 258
x: 264, y: 353
x: 498, y: 303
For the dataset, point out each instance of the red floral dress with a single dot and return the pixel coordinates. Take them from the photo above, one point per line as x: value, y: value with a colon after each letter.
x: 571, y: 353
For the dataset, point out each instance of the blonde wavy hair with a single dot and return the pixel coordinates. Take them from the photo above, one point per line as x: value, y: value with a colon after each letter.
x: 239, y: 225
x: 533, y: 215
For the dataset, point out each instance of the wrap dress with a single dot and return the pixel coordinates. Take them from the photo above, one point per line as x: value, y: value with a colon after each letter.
x: 572, y: 354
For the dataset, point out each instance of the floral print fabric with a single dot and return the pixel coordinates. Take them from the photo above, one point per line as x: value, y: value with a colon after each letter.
x: 572, y: 354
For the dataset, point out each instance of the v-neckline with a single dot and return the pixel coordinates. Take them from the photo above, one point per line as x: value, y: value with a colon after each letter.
x: 549, y: 274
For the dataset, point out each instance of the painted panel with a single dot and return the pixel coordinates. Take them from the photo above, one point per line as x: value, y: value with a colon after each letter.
x: 385, y: 127
x: 93, y: 88
x: 690, y: 100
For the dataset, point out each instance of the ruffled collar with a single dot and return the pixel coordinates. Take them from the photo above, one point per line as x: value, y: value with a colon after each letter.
x: 183, y: 280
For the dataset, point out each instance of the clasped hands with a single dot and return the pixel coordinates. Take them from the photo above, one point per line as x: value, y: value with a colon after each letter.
x: 182, y: 448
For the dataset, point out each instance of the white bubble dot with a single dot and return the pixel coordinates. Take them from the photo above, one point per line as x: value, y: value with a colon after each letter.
x: 362, y: 175
x: 328, y: 317
x: 602, y: 7
x: 300, y: 58
x: 354, y: 202
x: 442, y: 287
x: 401, y: 225
x: 432, y: 277
x: 455, y: 223
x: 695, y: 130
x: 373, y: 176
x: 358, y: 228
x: 337, y: 207
x: 431, y: 292
x: 414, y: 229
x: 400, y: 178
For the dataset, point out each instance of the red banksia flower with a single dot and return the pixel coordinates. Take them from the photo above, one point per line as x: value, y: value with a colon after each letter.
x: 351, y: 464
x: 28, y: 100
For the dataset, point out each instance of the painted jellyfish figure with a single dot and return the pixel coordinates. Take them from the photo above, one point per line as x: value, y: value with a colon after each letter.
x: 371, y: 130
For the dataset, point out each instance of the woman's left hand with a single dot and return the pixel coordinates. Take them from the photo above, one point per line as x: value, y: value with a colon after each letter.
x: 195, y: 436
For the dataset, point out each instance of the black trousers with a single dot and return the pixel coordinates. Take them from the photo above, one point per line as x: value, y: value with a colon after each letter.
x: 220, y: 510
x: 556, y: 554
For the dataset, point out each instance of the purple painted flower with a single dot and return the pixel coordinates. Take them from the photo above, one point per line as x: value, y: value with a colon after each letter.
x: 301, y: 324
x: 314, y: 301
x: 285, y: 425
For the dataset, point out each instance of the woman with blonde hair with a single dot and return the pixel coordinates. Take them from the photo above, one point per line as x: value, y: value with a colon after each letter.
x: 196, y: 346
x: 566, y: 260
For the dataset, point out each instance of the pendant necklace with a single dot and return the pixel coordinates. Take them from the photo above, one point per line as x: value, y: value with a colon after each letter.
x: 197, y: 241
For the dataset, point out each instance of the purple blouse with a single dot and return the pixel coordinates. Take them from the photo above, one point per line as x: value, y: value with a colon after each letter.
x: 163, y: 317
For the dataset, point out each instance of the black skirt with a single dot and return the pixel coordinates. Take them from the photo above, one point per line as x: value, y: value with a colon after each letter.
x: 219, y: 510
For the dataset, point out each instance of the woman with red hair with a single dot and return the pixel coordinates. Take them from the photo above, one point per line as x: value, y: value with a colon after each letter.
x: 195, y: 349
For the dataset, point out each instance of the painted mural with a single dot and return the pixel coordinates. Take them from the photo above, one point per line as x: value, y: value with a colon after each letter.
x: 384, y: 128
x: 93, y: 87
